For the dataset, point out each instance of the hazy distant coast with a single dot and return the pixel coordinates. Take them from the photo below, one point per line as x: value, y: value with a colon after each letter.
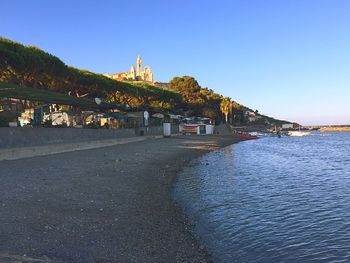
x: 336, y: 128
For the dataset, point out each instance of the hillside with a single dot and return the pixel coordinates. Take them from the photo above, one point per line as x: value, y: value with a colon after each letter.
x: 40, y: 75
x: 10, y: 90
x: 32, y: 67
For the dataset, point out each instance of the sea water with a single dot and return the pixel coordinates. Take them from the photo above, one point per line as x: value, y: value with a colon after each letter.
x: 272, y: 200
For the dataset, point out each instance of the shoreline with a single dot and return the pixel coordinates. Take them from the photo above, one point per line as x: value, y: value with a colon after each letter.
x: 177, y: 206
x: 110, y: 204
x: 335, y: 129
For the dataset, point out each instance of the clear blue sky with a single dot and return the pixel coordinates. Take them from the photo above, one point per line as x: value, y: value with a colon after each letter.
x: 287, y: 58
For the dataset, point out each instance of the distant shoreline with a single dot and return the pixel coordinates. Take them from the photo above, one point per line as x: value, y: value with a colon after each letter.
x: 336, y: 128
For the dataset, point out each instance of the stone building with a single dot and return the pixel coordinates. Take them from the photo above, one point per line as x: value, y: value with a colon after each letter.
x: 135, y: 74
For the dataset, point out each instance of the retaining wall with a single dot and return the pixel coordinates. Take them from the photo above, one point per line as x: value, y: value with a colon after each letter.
x: 23, y: 137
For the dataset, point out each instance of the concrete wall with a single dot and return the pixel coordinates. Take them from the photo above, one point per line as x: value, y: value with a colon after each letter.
x: 157, y: 130
x: 22, y: 137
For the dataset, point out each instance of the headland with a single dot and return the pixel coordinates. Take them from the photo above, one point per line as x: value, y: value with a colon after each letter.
x: 335, y: 128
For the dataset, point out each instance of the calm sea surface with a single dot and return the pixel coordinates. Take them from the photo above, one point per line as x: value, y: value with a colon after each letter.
x: 272, y: 200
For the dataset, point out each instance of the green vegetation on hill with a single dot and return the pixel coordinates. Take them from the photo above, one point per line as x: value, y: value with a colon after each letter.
x: 42, y: 76
x: 197, y: 101
x: 9, y: 90
x: 30, y: 66
x: 205, y: 102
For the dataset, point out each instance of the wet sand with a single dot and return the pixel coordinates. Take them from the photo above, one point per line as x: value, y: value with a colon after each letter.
x: 110, y: 204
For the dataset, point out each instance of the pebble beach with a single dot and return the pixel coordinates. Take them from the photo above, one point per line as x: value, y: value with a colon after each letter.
x: 111, y: 204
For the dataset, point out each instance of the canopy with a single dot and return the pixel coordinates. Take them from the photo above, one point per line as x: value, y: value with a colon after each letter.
x: 158, y: 115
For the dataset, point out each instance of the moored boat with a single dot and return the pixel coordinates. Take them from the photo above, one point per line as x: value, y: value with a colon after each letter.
x: 298, y: 133
x: 247, y: 137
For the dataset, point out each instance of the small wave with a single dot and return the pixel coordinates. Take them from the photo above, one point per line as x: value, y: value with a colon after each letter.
x: 272, y: 200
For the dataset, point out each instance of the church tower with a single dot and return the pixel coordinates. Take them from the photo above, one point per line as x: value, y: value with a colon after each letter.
x: 139, y: 68
x: 148, y: 75
x: 132, y: 75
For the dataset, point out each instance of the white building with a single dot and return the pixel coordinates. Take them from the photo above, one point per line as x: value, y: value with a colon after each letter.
x: 287, y: 126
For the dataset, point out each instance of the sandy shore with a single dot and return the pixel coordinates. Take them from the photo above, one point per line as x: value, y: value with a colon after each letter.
x: 110, y: 204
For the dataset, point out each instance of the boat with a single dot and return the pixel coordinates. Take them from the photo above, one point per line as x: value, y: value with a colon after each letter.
x: 247, y: 137
x: 258, y: 134
x: 298, y: 133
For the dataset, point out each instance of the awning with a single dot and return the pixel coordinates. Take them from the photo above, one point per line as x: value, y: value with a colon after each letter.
x: 158, y: 115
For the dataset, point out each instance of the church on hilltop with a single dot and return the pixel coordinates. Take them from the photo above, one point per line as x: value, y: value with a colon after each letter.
x: 135, y: 74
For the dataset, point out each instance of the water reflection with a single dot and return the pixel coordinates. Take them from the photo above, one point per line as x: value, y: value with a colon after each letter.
x: 272, y: 200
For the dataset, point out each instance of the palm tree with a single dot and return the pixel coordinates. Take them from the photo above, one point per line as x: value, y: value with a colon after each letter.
x: 225, y: 107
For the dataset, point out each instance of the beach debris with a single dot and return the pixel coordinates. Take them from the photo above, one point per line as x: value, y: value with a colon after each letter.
x: 115, y: 164
x: 48, y: 228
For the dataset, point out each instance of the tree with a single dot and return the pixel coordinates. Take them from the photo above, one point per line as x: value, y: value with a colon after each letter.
x: 237, y: 112
x: 225, y: 107
x: 193, y: 100
x: 197, y: 101
x: 32, y: 67
x: 188, y: 87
